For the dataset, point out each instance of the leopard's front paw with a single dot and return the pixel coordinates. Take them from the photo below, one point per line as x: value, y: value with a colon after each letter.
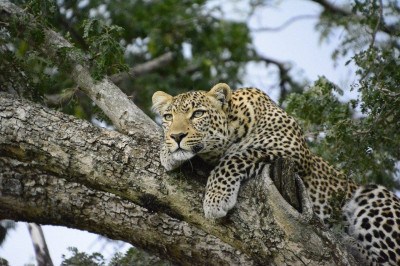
x: 217, y: 206
x: 214, y: 211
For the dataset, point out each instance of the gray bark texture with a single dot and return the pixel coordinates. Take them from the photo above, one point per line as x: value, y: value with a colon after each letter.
x: 56, y: 169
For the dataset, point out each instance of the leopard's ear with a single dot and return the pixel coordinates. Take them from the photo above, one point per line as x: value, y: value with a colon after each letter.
x: 160, y: 101
x: 222, y: 92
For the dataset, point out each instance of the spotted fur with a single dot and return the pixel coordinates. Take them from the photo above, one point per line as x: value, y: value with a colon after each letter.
x: 373, y: 216
x: 239, y: 132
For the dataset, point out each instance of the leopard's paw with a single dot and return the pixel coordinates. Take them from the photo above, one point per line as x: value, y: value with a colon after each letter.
x: 218, y: 206
x: 212, y: 211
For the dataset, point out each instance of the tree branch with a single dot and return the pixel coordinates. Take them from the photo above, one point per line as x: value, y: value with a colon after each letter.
x: 285, y: 24
x: 138, y: 70
x: 342, y: 12
x: 286, y: 83
x: 144, y: 68
x: 39, y: 245
x: 329, y: 7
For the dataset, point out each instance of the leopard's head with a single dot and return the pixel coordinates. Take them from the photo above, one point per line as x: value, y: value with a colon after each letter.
x: 194, y: 122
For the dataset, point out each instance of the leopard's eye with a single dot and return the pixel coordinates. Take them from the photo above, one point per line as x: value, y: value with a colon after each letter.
x: 167, y: 117
x: 198, y: 113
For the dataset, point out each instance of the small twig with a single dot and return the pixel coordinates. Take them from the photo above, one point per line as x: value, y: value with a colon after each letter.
x: 389, y: 93
x: 285, y: 78
x: 60, y: 98
x: 373, y: 35
x: 377, y: 26
x: 285, y: 24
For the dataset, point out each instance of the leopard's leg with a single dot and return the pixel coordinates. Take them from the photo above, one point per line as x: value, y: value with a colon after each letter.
x: 242, y: 162
x: 224, y: 181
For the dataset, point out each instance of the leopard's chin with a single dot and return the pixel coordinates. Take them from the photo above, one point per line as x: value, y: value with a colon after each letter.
x: 182, y: 155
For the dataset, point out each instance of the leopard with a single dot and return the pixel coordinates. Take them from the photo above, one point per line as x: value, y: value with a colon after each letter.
x: 240, y: 131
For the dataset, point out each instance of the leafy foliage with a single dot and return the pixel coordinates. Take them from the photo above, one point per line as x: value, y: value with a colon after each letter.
x: 105, y: 51
x: 336, y: 132
x: 82, y: 259
x: 136, y: 256
x: 133, y: 256
x: 361, y: 136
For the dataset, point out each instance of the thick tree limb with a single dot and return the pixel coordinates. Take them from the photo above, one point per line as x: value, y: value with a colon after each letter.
x: 138, y: 70
x: 59, y: 170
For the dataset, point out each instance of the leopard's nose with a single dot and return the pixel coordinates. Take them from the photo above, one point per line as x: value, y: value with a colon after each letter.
x: 178, y: 137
